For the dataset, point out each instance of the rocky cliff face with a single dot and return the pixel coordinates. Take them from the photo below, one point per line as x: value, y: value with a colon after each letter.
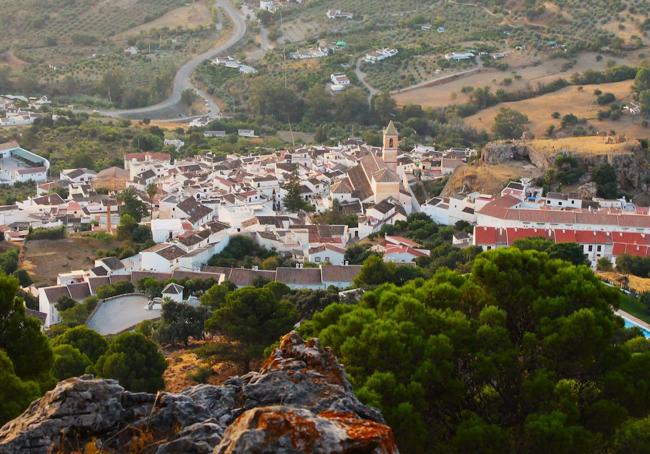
x: 299, y: 402
x: 629, y: 160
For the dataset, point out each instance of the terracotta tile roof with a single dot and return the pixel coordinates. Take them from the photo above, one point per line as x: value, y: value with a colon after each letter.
x: 79, y: 291
x: 298, y: 276
x: 95, y: 282
x: 338, y: 273
x: 137, y: 276
x: 171, y: 253
x: 54, y: 294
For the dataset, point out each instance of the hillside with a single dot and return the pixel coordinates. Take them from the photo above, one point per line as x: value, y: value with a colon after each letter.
x: 578, y: 100
x: 67, y: 48
x: 505, y: 161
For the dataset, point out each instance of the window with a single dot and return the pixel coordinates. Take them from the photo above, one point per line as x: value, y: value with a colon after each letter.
x: 317, y: 259
x: 599, y: 248
x: 591, y: 248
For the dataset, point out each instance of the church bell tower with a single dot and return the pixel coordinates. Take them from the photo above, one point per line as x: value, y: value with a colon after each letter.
x: 391, y: 146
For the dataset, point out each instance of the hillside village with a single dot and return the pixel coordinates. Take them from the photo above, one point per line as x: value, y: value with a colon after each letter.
x: 200, y: 203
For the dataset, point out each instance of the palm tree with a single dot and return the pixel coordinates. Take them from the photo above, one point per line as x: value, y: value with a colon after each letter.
x: 152, y: 190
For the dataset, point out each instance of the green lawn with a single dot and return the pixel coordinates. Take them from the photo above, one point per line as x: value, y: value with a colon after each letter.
x: 632, y: 306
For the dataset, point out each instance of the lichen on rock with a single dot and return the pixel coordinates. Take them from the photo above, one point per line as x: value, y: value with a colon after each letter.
x: 299, y: 401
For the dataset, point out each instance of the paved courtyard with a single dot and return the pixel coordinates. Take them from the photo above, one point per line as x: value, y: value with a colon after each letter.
x: 119, y: 314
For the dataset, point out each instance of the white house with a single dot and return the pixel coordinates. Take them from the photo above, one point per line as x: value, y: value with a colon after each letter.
x: 82, y: 175
x: 161, y: 258
x: 18, y: 165
x: 163, y: 230
x: 326, y: 253
x: 173, y: 292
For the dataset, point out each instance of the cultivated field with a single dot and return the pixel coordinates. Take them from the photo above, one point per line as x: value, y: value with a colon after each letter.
x: 580, y: 102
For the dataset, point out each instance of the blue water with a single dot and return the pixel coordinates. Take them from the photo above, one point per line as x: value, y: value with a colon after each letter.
x: 630, y: 324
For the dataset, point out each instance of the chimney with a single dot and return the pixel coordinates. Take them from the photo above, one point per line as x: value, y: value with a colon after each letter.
x: 109, y: 227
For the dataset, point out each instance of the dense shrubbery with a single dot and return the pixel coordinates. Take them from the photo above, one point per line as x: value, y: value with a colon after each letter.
x: 639, y: 266
x: 40, y: 233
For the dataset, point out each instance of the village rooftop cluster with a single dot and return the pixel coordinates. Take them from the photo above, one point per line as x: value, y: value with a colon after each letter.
x: 203, y: 201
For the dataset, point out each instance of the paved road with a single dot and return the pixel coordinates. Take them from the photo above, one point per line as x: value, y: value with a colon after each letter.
x: 372, y: 91
x: 172, y: 108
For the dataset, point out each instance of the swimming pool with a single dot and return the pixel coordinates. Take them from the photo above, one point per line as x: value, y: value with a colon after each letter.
x: 631, y: 324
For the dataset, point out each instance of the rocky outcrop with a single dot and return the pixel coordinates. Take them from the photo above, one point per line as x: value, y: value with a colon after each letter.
x: 629, y: 160
x: 299, y: 401
x: 499, y: 152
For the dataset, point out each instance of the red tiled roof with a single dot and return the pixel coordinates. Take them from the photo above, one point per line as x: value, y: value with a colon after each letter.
x: 630, y: 249
x: 151, y: 155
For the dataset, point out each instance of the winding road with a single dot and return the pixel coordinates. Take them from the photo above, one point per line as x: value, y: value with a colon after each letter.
x: 172, y: 108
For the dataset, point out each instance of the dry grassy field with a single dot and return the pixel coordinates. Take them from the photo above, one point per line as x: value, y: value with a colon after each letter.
x: 522, y: 74
x: 589, y: 145
x: 45, y: 259
x: 580, y: 102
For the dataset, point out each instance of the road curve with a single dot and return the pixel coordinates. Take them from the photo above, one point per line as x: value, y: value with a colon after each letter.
x: 372, y: 91
x: 171, y: 108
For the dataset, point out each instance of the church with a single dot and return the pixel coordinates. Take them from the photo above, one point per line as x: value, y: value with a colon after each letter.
x: 375, y: 178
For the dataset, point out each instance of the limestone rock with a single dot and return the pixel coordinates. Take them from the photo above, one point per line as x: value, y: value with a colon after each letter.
x: 297, y: 430
x: 299, y: 401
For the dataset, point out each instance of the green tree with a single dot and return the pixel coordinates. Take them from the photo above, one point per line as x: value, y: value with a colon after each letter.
x: 356, y: 254
x: 374, y: 272
x: 134, y: 361
x: 509, y: 124
x: 516, y: 354
x: 642, y: 79
x: 351, y: 106
x: 633, y: 437
x: 188, y: 97
x: 23, y: 277
x: 64, y: 303
x: 179, y: 322
x: 131, y: 204
x: 21, y: 337
x: 318, y: 106
x: 644, y: 101
x: 321, y: 134
x: 253, y: 317
x: 9, y: 261
x: 152, y: 190
x: 606, y: 181
x: 87, y: 341
x: 384, y: 107
x: 293, y: 200
x: 69, y: 362
x: 15, y: 393
x: 215, y: 296
x: 118, y: 288
x: 571, y: 252
x: 604, y: 264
